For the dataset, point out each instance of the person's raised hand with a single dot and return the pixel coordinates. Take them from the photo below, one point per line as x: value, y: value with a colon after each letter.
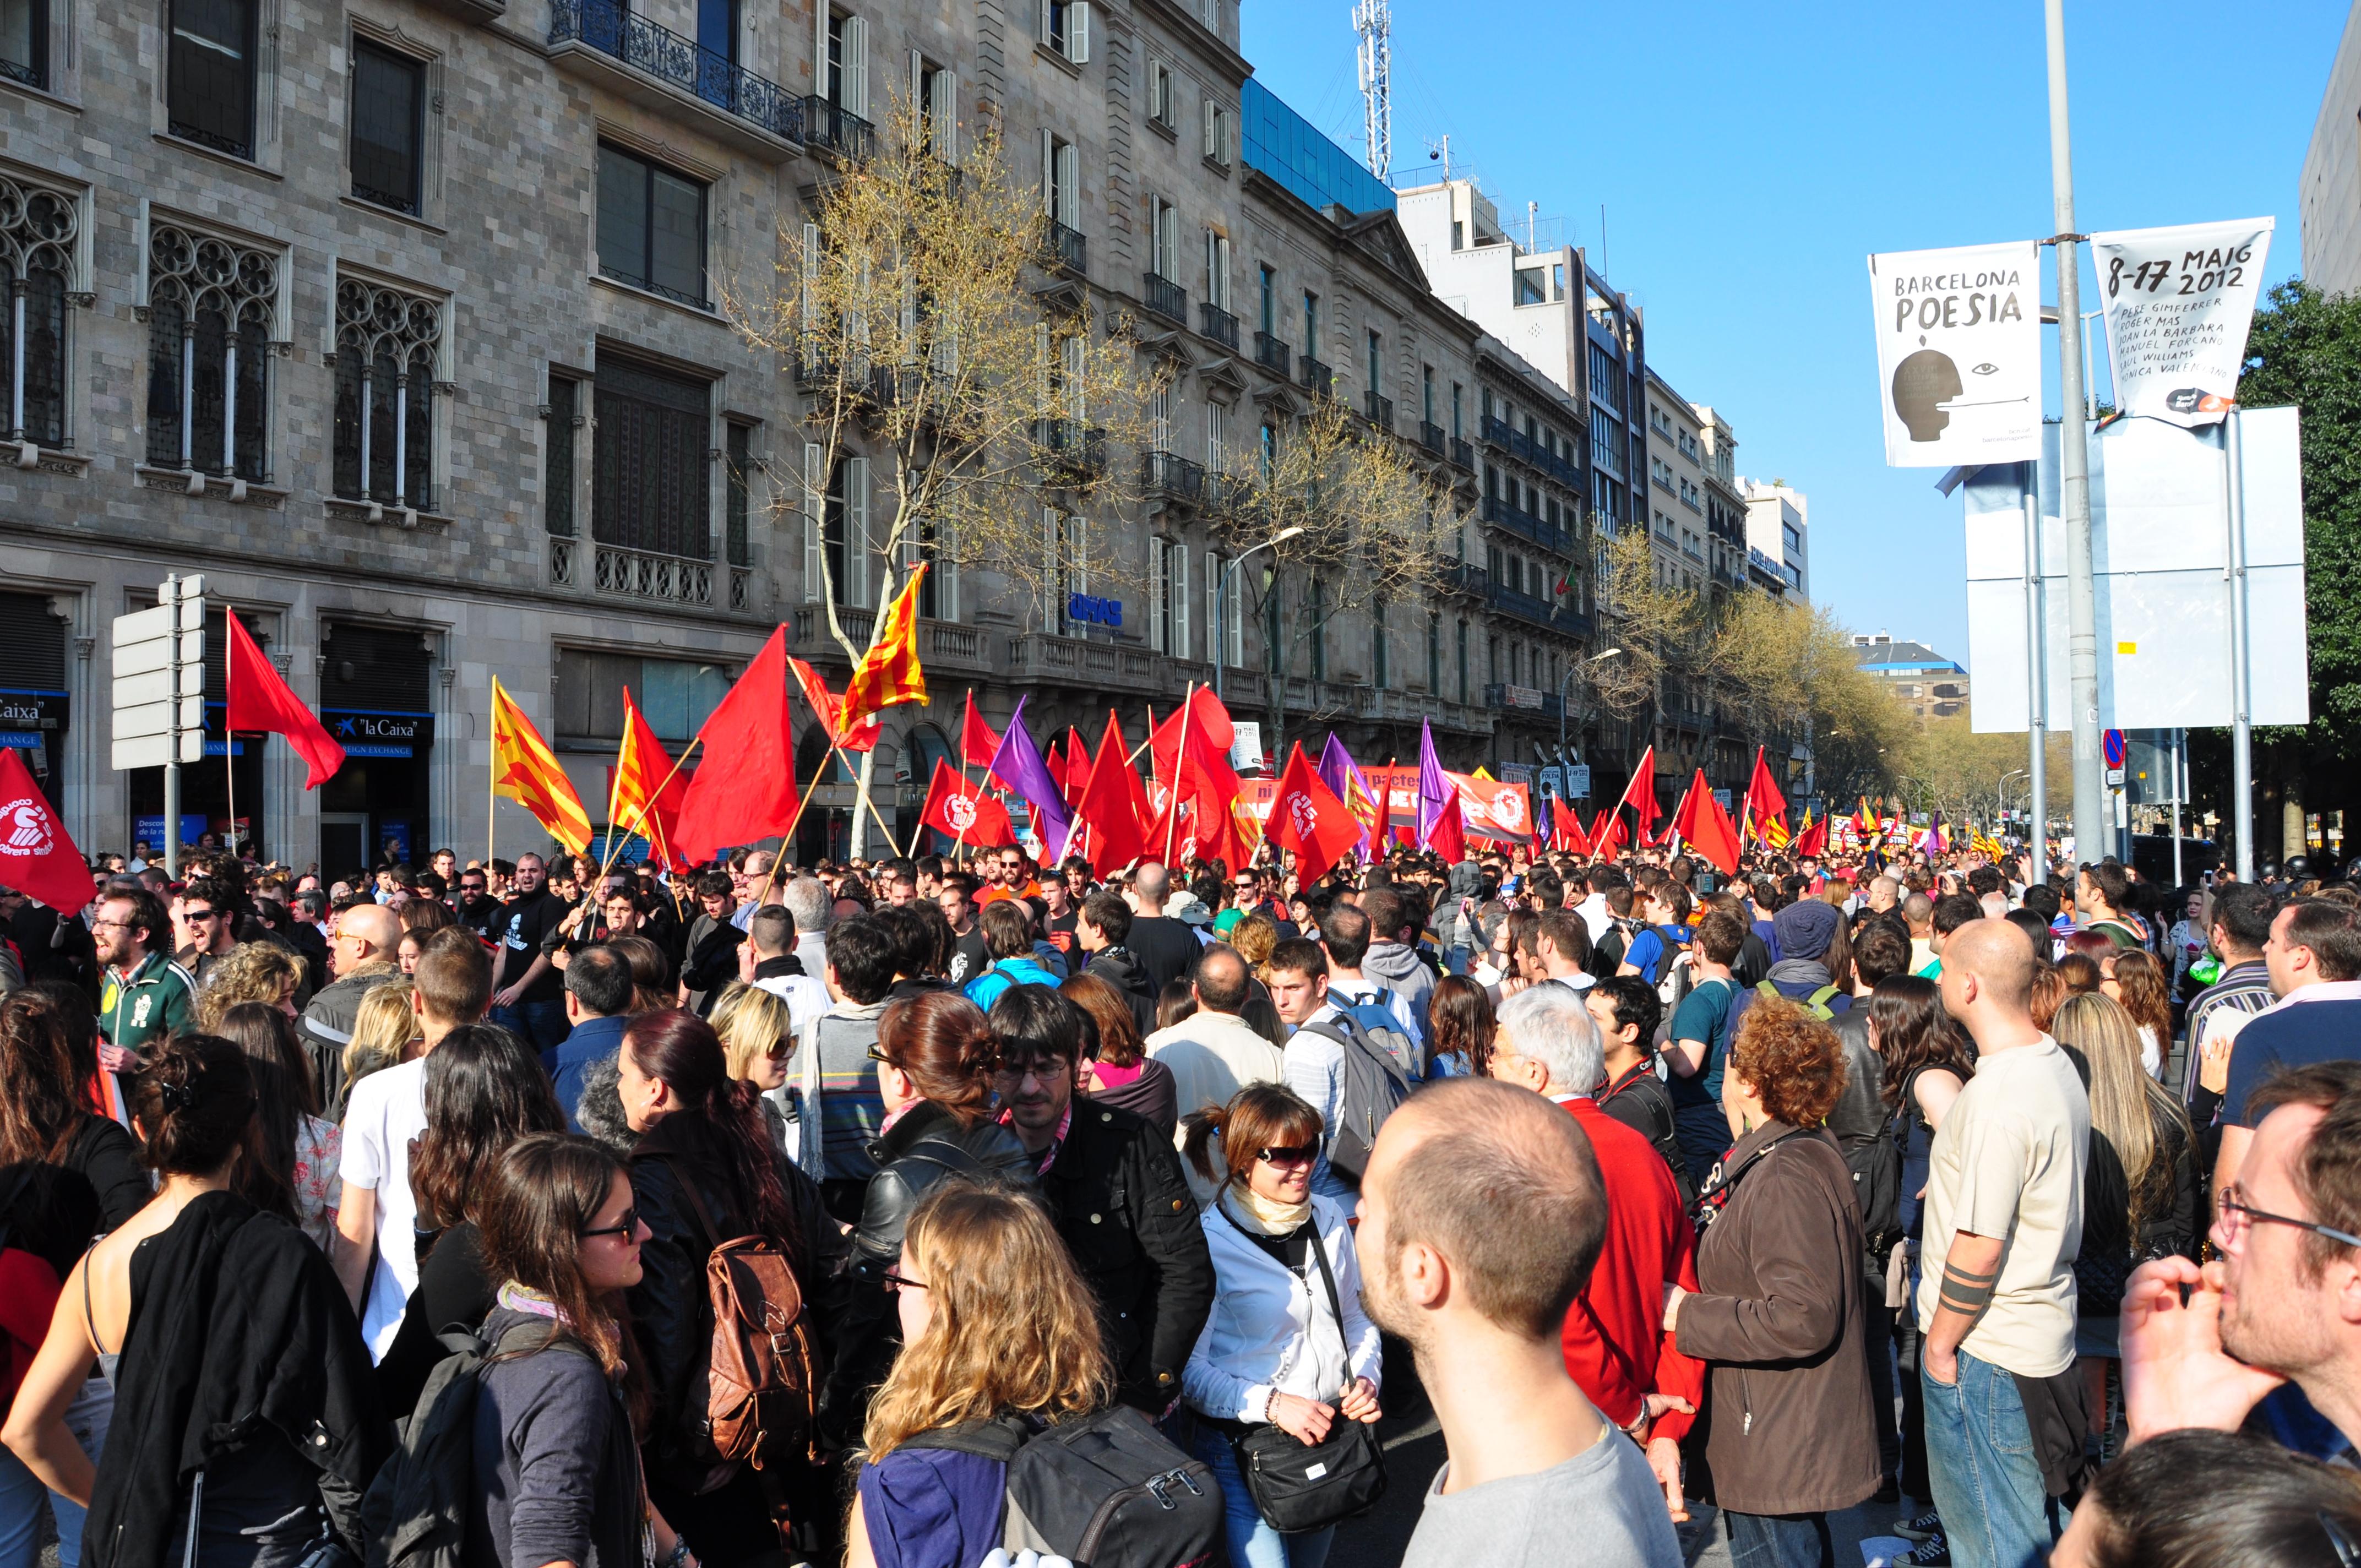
x: 2176, y: 1373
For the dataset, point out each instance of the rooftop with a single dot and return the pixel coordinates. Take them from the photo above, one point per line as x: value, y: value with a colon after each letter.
x: 1283, y: 144
x: 1879, y: 653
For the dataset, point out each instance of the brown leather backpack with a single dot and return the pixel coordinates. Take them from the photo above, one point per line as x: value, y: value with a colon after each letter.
x: 760, y: 1384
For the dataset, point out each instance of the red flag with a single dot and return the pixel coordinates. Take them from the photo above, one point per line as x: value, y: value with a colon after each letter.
x: 1641, y: 794
x: 745, y: 789
x: 978, y: 744
x: 1078, y: 767
x: 1607, y: 832
x: 1306, y: 817
x: 1114, y: 805
x: 260, y: 699
x: 830, y: 707
x: 634, y: 804
x: 37, y: 855
x: 1565, y: 829
x: 964, y: 811
x: 1705, y: 826
x: 1814, y: 838
x: 1766, y: 800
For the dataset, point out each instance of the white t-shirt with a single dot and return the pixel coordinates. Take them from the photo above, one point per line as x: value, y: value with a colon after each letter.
x: 387, y: 1108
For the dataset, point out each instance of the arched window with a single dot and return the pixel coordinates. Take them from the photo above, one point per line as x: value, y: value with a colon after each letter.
x: 388, y: 344
x: 211, y: 303
x: 38, y: 231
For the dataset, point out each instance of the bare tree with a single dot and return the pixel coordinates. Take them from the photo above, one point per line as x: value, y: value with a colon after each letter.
x: 1654, y: 620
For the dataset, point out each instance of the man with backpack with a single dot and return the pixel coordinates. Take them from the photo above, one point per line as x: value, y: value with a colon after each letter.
x: 1385, y: 1013
x: 1697, y: 1043
x: 1655, y: 952
x: 1351, y: 1079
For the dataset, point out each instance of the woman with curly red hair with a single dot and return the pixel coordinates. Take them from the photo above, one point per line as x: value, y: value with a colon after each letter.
x: 1778, y: 1308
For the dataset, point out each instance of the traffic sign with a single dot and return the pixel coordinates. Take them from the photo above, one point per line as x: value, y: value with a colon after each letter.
x: 159, y: 679
x: 2113, y: 744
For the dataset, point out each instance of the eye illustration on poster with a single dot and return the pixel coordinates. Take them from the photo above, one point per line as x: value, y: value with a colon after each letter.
x: 1959, y: 354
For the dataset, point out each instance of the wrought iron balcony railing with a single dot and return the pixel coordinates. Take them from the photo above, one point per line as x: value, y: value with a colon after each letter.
x: 1218, y: 325
x: 1066, y: 249
x: 1072, y: 449
x: 1272, y: 354
x: 1315, y: 376
x: 1172, y: 478
x: 613, y: 30
x: 1431, y: 436
x: 829, y: 123
x: 1165, y: 297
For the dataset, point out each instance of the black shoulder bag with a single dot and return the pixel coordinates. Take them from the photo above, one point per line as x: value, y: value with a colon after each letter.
x: 1297, y: 1486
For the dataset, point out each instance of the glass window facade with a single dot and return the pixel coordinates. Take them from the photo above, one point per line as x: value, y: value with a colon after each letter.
x: 1283, y: 144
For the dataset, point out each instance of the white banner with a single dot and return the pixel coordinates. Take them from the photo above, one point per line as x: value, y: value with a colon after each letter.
x: 1959, y: 354
x: 2178, y: 301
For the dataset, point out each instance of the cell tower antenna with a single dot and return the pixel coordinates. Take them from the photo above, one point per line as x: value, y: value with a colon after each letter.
x: 1373, y: 21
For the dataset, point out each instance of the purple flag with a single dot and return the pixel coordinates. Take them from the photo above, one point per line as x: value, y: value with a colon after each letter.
x: 1347, y: 782
x: 1436, y: 794
x: 1017, y: 763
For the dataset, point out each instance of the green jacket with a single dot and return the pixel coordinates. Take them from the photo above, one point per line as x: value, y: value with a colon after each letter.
x: 157, y: 998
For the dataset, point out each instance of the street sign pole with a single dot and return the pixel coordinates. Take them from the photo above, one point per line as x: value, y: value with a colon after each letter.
x: 2037, y: 674
x: 2241, y: 705
x: 159, y: 693
x: 171, y: 600
x: 2074, y: 466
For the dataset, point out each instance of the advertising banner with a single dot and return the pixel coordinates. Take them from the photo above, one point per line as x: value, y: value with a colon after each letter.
x: 1959, y: 354
x: 2178, y: 301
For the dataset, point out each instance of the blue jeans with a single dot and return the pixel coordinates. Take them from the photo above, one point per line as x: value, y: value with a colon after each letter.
x: 21, y: 1490
x: 1780, y: 1541
x: 1254, y: 1544
x: 1987, y: 1481
x: 540, y: 1025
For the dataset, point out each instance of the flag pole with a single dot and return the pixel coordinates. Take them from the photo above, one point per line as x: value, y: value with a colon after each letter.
x: 648, y: 805
x: 1179, y: 764
x: 229, y: 739
x: 878, y: 815
x: 613, y: 785
x: 491, y: 804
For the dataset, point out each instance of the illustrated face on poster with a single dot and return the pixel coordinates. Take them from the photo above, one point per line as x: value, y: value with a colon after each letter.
x: 2178, y: 302
x: 1959, y: 354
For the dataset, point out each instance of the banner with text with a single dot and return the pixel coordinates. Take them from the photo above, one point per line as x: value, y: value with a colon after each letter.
x: 1959, y: 354
x: 2178, y: 301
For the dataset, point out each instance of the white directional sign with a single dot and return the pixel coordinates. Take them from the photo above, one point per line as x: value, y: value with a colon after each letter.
x: 159, y: 679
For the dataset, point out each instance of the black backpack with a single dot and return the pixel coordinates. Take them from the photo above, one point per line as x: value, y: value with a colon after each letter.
x: 1876, y: 1167
x: 1369, y: 1085
x: 1104, y: 1490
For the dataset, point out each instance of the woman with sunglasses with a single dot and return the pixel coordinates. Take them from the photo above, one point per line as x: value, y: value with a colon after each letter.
x: 758, y: 1035
x: 557, y: 1471
x: 936, y: 1060
x: 705, y: 1170
x: 1274, y: 1350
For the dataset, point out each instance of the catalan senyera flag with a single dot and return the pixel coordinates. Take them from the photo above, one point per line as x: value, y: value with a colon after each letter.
x: 888, y: 674
x: 646, y: 795
x: 526, y: 771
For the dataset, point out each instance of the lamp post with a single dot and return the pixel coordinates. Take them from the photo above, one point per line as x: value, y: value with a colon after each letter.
x: 1573, y: 670
x: 1222, y: 598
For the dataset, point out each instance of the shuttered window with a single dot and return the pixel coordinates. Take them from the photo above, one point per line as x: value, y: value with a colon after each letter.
x: 649, y: 489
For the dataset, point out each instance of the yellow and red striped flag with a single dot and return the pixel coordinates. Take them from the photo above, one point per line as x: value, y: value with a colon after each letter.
x: 889, y: 672
x: 646, y: 793
x: 526, y: 771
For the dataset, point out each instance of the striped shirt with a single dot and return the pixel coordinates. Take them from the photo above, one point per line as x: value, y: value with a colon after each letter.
x: 851, y: 1111
x: 2225, y: 1006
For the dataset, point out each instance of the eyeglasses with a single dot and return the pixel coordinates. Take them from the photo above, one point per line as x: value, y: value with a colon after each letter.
x: 195, y: 914
x: 895, y: 1283
x: 631, y: 1224
x: 1044, y: 1068
x: 2235, y: 1217
x: 1303, y: 1154
x: 876, y: 1054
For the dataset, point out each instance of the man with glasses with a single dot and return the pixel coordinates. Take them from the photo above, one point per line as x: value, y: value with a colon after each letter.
x: 2202, y: 1346
x: 146, y: 994
x: 208, y: 920
x: 1114, y: 1185
x: 477, y: 908
x: 2313, y: 956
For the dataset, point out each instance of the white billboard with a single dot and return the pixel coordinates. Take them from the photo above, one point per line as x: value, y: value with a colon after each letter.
x: 2159, y: 543
x: 2178, y: 301
x: 1959, y: 354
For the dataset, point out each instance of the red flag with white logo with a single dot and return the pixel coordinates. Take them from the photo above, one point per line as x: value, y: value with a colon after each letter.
x: 37, y: 855
x: 1306, y: 817
x: 965, y: 812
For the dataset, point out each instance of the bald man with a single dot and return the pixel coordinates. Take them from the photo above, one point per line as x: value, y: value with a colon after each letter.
x: 1482, y: 1213
x: 363, y: 954
x: 2002, y: 1225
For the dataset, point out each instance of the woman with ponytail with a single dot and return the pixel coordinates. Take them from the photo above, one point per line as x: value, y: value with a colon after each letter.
x: 706, y: 1170
x: 194, y: 1308
x: 935, y: 1065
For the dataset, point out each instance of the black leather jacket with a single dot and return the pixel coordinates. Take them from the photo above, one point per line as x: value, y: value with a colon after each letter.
x: 1123, y: 1209
x: 670, y: 1308
x: 926, y: 1146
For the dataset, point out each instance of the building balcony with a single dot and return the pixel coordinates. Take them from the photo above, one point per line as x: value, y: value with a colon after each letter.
x: 667, y: 579
x: 1391, y: 705
x: 1463, y: 453
x: 1538, y: 611
x: 1431, y: 436
x: 1315, y: 376
x: 829, y: 124
x: 1036, y: 657
x: 942, y: 644
x: 1378, y: 412
x: 1171, y: 478
x: 1071, y: 449
x: 1460, y: 577
x: 1272, y: 356
x: 1502, y: 697
x: 1525, y: 525
x: 1533, y: 453
x: 605, y: 43
x: 1218, y: 325
x: 1165, y: 297
x: 1065, y: 250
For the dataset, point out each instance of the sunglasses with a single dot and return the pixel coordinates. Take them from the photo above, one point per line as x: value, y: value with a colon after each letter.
x: 198, y: 914
x: 896, y: 1283
x: 1303, y: 1154
x: 631, y: 1223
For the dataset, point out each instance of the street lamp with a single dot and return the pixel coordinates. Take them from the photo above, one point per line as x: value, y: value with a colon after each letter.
x: 1222, y: 596
x: 1573, y: 670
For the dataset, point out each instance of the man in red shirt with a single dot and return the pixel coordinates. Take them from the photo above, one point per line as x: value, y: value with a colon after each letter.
x: 1616, y: 1346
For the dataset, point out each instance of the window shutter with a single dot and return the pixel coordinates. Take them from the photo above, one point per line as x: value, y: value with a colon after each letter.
x: 819, y: 51
x: 1181, y: 602
x: 1082, y: 554
x: 917, y: 81
x: 1070, y: 194
x: 945, y: 109
x: 814, y: 509
x: 1047, y: 27
x: 1213, y: 601
x: 856, y: 530
x: 1158, y: 584
x: 946, y: 571
x: 1233, y: 620
x: 1052, y: 582
x: 811, y: 277
x: 856, y: 66
x: 1049, y: 171
x: 1041, y: 351
x: 1077, y: 32
x: 1077, y: 361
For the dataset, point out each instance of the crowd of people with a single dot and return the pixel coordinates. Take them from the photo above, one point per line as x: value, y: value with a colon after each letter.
x: 506, y: 1215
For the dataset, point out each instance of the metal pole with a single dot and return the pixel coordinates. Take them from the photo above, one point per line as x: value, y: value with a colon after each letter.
x: 2037, y: 674
x: 2242, y: 734
x: 2090, y: 818
x: 2179, y: 792
x: 172, y: 757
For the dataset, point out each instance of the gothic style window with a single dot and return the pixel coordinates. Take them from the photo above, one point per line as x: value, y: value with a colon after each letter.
x: 37, y: 232
x: 388, y: 344
x: 210, y: 305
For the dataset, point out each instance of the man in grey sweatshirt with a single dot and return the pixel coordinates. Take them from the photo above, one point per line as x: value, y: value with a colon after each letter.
x: 1392, y: 961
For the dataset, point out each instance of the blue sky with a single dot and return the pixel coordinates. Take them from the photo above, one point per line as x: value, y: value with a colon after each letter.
x: 1750, y: 156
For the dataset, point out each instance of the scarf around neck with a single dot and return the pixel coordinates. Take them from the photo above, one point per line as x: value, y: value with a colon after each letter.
x: 1260, y: 1215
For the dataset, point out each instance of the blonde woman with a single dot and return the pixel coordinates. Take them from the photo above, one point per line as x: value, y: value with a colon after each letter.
x: 251, y: 971
x: 995, y: 1321
x: 758, y: 1034
x: 385, y: 1025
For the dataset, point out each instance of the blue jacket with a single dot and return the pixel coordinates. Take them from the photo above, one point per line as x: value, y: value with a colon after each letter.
x: 593, y: 1041
x: 985, y: 989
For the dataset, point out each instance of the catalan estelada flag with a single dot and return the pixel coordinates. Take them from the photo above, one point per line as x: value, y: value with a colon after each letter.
x: 889, y: 672
x: 525, y: 770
